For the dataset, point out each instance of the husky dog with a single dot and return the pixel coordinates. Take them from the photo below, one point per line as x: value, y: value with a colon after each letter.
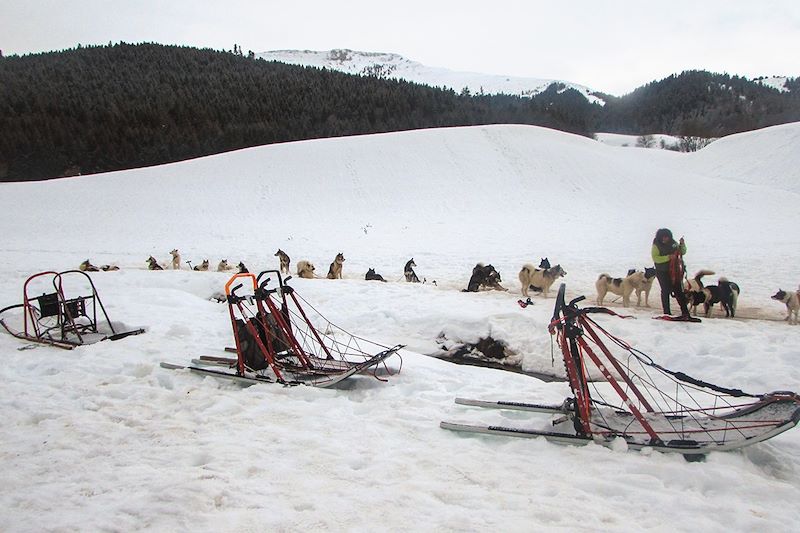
x: 619, y: 286
x: 285, y: 261
x: 202, y: 267
x: 642, y: 283
x: 484, y: 276
x: 409, y: 273
x: 223, y: 266
x: 694, y: 292
x: 371, y: 275
x: 728, y: 296
x: 152, y: 264
x: 544, y: 264
x: 305, y: 269
x: 539, y: 280
x: 242, y: 268
x: 176, y: 259
x: 335, y: 270
x: 792, y: 301
x: 87, y: 266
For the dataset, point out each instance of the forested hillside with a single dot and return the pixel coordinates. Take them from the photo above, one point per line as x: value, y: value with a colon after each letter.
x: 102, y: 108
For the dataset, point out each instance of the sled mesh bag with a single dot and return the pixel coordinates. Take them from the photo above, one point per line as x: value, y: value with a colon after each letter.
x: 253, y: 357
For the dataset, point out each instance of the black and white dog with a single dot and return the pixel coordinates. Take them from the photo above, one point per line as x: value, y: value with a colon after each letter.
x: 725, y: 293
x: 408, y: 272
x: 484, y: 277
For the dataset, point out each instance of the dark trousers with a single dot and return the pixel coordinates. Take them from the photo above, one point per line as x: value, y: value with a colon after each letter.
x: 667, y: 289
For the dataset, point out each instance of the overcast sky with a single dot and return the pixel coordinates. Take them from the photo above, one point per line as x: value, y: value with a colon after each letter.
x: 609, y: 45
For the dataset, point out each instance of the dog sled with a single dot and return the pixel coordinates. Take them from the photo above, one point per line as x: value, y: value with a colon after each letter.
x: 71, y: 314
x: 638, y: 401
x: 278, y: 342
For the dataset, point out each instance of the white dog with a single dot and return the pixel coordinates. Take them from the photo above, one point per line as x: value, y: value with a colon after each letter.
x: 642, y: 283
x: 619, y: 286
x: 176, y: 259
x: 792, y: 301
x: 539, y: 280
x: 305, y: 269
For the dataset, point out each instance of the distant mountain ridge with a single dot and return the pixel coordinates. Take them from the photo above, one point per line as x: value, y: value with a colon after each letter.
x: 395, y: 66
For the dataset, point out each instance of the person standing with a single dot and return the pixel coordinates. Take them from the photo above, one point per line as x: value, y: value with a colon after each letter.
x: 667, y: 257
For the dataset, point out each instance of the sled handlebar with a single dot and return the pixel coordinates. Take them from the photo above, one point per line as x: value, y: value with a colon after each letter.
x: 228, y: 290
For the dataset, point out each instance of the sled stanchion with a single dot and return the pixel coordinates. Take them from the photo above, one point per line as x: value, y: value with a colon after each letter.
x: 313, y: 329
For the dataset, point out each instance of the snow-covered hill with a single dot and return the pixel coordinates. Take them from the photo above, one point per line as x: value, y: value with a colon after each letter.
x: 388, y: 65
x: 103, y: 438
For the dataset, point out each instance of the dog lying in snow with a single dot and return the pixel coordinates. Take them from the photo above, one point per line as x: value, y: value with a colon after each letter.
x: 223, y: 266
x: 335, y: 270
x: 539, y: 280
x: 152, y: 264
x: 87, y: 266
x: 792, y: 302
x: 176, y: 259
x: 484, y: 277
x: 408, y: 272
x: 305, y: 269
x: 242, y: 268
x: 202, y: 267
x: 371, y: 275
x: 285, y: 261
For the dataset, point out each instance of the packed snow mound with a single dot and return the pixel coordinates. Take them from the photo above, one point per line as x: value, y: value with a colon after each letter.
x: 395, y: 66
x: 768, y: 157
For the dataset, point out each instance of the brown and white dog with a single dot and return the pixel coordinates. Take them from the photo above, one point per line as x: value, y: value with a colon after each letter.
x: 619, y: 286
x: 87, y: 266
x: 285, y: 261
x: 335, y: 270
x: 223, y: 266
x: 202, y: 267
x: 176, y: 259
x: 305, y: 269
x: 539, y: 280
x: 792, y: 302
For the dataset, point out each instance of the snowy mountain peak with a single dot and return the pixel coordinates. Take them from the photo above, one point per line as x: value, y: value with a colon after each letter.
x: 395, y: 66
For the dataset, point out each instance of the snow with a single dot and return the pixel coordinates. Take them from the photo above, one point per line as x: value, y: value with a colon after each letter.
x: 395, y: 66
x: 102, y: 438
x: 774, y: 82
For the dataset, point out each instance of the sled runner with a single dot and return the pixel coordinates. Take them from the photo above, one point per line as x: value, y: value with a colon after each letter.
x: 639, y: 401
x: 276, y: 340
x: 66, y: 317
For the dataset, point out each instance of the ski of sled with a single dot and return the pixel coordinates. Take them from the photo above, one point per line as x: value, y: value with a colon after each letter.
x: 516, y: 406
x: 682, y: 447
x: 311, y: 379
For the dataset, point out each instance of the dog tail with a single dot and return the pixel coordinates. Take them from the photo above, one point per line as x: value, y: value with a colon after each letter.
x: 604, y: 275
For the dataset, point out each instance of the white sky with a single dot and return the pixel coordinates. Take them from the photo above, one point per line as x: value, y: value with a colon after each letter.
x: 609, y: 45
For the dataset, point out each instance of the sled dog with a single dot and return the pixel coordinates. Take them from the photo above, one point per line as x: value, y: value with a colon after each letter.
x: 619, y: 286
x: 792, y: 302
x: 335, y: 270
x: 87, y: 266
x: 409, y: 273
x: 242, y: 268
x: 202, y: 267
x: 484, y: 276
x: 176, y: 259
x: 305, y: 269
x: 371, y: 275
x: 539, y: 280
x: 152, y: 264
x: 642, y: 283
x: 223, y: 266
x: 694, y: 290
x: 285, y: 261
